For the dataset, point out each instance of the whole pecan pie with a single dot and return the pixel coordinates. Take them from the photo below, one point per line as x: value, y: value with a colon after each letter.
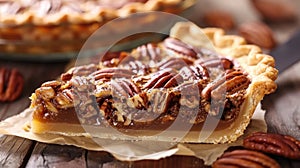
x: 159, y: 85
x: 69, y: 22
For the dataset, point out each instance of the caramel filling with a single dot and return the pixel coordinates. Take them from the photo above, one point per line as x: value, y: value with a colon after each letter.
x: 146, y: 89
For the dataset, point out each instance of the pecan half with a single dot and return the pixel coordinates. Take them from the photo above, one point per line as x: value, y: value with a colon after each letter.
x: 219, y: 18
x: 175, y: 63
x: 64, y: 99
x: 53, y: 84
x: 163, y: 78
x: 245, y: 158
x: 200, y: 71
x: 11, y: 84
x: 12, y: 8
x: 112, y: 59
x: 112, y: 72
x: 78, y: 71
x: 150, y: 50
x: 180, y: 47
x: 135, y: 66
x: 275, y: 11
x: 124, y: 87
x: 258, y: 33
x: 216, y: 62
x: 231, y: 83
x: 282, y: 145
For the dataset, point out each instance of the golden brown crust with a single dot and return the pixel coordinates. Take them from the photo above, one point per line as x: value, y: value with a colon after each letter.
x: 260, y: 68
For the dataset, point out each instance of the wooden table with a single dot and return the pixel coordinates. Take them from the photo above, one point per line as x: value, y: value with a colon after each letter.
x: 283, y: 110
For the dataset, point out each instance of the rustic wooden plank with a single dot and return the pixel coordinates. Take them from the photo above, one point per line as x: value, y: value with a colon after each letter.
x: 171, y: 162
x: 283, y: 106
x: 116, y: 164
x: 97, y: 159
x: 105, y: 160
x: 14, y: 151
x: 57, y: 156
x: 283, y: 109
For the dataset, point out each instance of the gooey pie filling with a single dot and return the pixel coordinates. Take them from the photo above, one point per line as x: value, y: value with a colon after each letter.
x: 148, y: 88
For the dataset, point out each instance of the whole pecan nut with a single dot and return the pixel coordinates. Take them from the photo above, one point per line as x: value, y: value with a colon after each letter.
x: 258, y: 33
x: 282, y: 145
x: 11, y: 84
x: 245, y: 158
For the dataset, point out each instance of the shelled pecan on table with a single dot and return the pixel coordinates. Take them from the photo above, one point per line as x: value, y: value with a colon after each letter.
x: 11, y: 84
x: 258, y: 33
x: 245, y: 158
x: 282, y: 145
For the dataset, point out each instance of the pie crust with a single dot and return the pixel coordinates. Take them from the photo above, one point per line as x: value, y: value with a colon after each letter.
x: 53, y: 26
x: 141, y: 99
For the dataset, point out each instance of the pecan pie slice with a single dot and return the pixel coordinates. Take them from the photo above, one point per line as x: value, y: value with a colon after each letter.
x: 157, y: 86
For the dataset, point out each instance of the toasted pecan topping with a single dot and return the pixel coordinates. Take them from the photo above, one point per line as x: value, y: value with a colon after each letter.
x: 125, y: 87
x: 132, y: 90
x: 112, y: 73
x: 159, y: 79
x: 175, y: 63
x: 199, y: 71
x: 231, y: 82
x: 135, y: 66
x: 180, y: 47
x: 150, y: 50
x: 216, y: 62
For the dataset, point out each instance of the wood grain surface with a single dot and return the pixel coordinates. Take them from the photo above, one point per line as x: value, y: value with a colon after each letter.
x: 282, y: 116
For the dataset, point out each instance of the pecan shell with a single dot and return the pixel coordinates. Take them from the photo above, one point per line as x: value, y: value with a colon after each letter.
x: 282, y: 145
x: 11, y: 84
x: 245, y: 158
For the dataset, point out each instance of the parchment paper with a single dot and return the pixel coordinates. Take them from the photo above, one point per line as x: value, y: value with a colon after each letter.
x: 208, y: 152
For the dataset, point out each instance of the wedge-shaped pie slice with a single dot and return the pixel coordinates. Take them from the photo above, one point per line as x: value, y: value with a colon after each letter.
x: 155, y: 87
